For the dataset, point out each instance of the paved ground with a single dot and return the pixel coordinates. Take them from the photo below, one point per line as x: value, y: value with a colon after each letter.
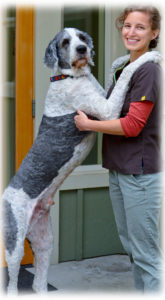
x: 103, y: 274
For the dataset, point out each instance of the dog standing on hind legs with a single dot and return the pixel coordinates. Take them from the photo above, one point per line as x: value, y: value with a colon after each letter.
x: 57, y: 150
x: 59, y: 147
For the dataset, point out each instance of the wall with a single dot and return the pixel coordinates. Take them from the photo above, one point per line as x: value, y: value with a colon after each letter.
x: 48, y: 24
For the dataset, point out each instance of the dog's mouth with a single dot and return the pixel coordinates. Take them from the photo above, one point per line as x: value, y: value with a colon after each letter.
x: 79, y: 63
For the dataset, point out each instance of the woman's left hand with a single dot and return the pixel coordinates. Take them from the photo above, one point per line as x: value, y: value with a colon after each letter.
x: 81, y: 121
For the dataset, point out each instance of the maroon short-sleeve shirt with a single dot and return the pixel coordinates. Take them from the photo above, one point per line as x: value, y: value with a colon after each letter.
x: 135, y: 155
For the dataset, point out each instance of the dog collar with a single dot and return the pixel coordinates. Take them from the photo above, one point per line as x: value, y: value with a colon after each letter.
x: 59, y: 77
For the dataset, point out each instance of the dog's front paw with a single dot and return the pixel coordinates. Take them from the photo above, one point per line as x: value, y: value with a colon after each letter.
x: 39, y: 288
x: 12, y: 291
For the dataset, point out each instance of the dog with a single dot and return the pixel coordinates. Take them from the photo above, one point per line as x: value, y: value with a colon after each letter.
x: 58, y: 148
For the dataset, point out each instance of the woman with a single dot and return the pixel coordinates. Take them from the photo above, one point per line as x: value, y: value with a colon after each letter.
x: 131, y: 150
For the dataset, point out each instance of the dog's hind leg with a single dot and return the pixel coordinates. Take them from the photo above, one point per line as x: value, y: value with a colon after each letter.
x: 14, y: 232
x: 13, y: 262
x: 41, y: 239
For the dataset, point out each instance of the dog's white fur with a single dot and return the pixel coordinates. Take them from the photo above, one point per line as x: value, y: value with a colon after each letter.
x: 29, y: 215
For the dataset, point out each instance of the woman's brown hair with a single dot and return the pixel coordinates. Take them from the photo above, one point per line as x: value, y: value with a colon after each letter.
x: 155, y: 19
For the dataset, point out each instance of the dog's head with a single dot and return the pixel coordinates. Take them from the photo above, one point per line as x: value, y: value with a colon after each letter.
x: 70, y: 49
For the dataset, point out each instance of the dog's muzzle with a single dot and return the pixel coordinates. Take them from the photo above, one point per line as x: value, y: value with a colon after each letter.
x: 81, y: 49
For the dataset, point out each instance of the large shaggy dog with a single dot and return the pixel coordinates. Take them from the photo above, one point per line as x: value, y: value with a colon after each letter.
x: 57, y: 150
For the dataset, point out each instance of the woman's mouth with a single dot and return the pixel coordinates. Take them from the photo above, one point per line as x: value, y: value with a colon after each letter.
x: 132, y: 41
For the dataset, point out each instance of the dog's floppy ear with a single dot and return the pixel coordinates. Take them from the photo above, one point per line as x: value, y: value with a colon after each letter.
x: 90, y: 44
x: 91, y: 59
x: 51, y: 59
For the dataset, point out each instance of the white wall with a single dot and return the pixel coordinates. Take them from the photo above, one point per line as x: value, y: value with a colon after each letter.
x: 113, y: 43
x: 48, y: 24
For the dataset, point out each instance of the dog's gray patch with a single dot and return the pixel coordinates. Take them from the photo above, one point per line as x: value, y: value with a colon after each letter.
x: 64, y: 65
x: 9, y: 227
x: 53, y: 147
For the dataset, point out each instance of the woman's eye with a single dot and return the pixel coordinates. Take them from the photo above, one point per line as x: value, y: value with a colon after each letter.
x: 140, y: 27
x: 127, y: 26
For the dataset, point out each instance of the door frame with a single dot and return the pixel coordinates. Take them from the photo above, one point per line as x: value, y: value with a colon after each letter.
x: 24, y: 92
x: 24, y: 82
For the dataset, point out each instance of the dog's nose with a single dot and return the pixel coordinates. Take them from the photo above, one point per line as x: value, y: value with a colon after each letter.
x: 81, y: 49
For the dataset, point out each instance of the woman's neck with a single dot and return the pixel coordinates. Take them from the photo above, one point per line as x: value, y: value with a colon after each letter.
x: 136, y: 54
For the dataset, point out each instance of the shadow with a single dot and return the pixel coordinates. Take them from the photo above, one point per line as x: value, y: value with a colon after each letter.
x: 25, y: 281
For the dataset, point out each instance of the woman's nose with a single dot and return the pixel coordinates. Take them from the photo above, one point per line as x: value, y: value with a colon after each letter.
x: 132, y: 31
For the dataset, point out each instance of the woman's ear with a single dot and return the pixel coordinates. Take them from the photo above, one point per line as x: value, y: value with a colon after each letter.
x: 155, y: 34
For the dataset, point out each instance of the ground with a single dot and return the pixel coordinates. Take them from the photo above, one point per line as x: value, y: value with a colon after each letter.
x: 102, y: 274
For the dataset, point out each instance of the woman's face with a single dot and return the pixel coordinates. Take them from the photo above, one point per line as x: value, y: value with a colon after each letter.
x: 137, y: 32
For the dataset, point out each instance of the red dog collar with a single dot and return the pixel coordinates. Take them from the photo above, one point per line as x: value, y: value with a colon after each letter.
x: 59, y: 77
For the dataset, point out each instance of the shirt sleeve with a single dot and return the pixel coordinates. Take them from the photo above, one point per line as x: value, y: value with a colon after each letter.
x: 146, y: 83
x: 136, y: 118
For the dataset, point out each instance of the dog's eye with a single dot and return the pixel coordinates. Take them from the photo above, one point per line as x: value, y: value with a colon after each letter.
x: 65, y: 42
x: 82, y: 37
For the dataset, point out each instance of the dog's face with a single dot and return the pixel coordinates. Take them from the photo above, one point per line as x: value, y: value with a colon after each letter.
x: 70, y: 49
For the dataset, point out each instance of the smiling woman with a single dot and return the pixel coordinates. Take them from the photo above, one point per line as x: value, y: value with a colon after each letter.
x: 131, y: 146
